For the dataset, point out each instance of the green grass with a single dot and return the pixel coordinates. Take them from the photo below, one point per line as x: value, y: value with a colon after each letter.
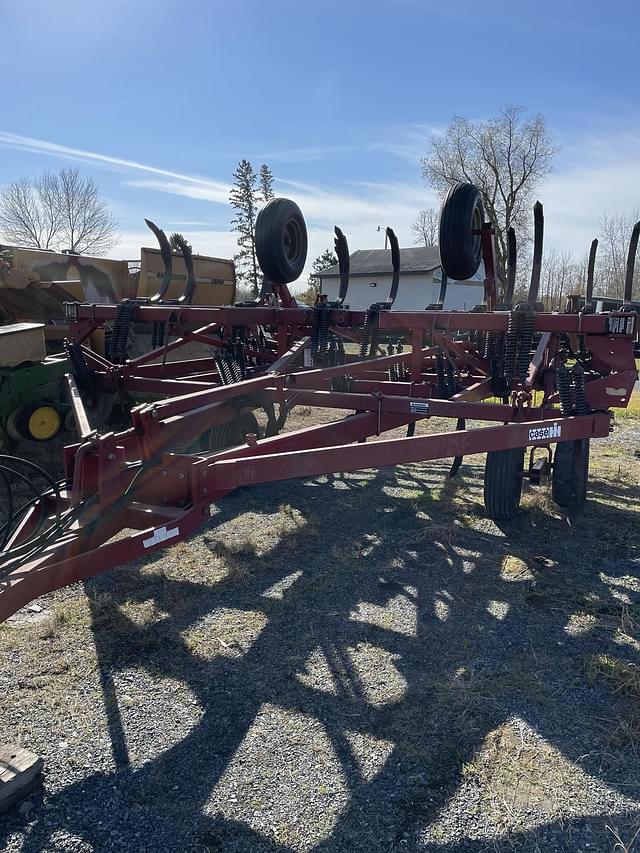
x: 632, y: 410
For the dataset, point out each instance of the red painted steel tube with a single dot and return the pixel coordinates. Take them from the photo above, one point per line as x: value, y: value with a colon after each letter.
x: 233, y: 473
x: 495, y: 321
x: 77, y: 556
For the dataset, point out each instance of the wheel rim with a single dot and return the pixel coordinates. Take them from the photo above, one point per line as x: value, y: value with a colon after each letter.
x: 43, y: 423
x: 292, y: 241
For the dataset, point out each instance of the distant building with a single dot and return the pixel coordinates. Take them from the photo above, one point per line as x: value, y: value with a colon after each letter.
x: 420, y: 278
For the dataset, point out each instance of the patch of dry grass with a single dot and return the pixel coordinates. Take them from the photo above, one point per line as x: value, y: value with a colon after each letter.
x: 619, y: 675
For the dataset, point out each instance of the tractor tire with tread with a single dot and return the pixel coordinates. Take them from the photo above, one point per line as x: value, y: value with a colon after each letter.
x: 570, y: 473
x: 229, y: 434
x: 281, y: 240
x: 460, y: 249
x: 503, y: 483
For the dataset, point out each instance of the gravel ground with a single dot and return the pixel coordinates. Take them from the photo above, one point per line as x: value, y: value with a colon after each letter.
x: 356, y: 662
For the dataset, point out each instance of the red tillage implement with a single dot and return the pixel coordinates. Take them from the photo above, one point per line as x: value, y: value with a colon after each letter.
x: 538, y: 379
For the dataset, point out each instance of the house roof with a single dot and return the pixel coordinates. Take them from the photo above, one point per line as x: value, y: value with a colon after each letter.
x: 378, y: 261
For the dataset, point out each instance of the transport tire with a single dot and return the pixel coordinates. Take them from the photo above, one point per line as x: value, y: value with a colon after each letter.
x: 460, y: 249
x: 229, y: 434
x: 503, y: 483
x: 570, y: 473
x: 281, y: 240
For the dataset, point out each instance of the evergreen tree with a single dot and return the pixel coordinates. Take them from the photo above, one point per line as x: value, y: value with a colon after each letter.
x: 173, y: 240
x: 322, y: 262
x: 266, y: 183
x: 243, y: 198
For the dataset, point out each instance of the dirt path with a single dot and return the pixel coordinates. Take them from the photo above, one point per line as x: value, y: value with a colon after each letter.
x: 358, y: 662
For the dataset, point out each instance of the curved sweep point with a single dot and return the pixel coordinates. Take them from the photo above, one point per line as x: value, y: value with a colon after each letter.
x: 631, y: 263
x: 190, y: 286
x: 590, y: 272
x: 538, y: 237
x: 167, y: 259
x: 395, y: 261
x: 512, y: 266
x: 342, y: 251
x: 443, y: 289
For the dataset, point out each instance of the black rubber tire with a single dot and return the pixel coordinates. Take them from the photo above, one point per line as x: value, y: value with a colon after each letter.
x: 460, y: 249
x: 281, y: 240
x: 570, y: 473
x: 503, y: 483
x: 230, y: 434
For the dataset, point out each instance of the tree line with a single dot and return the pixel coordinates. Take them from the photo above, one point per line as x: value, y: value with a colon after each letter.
x: 507, y: 157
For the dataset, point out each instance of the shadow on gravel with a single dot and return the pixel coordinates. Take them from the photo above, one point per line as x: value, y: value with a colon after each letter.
x: 488, y: 645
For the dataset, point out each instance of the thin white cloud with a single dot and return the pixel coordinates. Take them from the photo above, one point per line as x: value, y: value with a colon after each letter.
x: 202, y: 191
x: 599, y: 175
x: 217, y: 244
x: 40, y: 146
x: 406, y: 143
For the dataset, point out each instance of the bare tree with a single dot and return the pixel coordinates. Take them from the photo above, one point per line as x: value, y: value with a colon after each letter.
x: 425, y: 227
x: 87, y: 226
x: 62, y: 211
x: 613, y: 245
x: 505, y: 157
x: 560, y: 277
x: 29, y: 212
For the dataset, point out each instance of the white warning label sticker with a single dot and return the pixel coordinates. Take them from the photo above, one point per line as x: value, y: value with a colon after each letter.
x: 161, y: 534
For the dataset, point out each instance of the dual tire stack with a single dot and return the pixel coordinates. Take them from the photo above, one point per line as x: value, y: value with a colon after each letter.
x: 504, y: 473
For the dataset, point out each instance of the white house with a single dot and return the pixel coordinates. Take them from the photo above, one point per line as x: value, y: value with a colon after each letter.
x: 420, y: 277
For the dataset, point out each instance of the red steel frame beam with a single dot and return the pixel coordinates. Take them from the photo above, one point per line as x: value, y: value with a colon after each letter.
x: 129, y: 480
x: 85, y: 553
x: 96, y: 315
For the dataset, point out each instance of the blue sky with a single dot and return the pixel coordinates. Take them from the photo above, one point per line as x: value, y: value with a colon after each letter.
x: 159, y: 100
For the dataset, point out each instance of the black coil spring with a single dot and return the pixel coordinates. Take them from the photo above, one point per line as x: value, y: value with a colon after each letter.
x: 490, y: 345
x: 524, y: 344
x: 323, y: 342
x: 79, y: 369
x: 239, y: 357
x: 320, y: 335
x: 315, y: 330
x: 116, y: 341
x: 370, y: 333
x: 511, y: 346
x: 580, y: 390
x: 563, y: 384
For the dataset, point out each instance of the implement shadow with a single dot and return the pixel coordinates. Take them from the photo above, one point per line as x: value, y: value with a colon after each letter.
x: 387, y: 542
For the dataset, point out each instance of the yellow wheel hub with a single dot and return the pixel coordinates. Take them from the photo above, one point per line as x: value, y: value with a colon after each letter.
x: 43, y: 423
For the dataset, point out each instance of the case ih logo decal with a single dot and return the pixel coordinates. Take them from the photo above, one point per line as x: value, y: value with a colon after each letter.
x: 545, y: 433
x: 619, y: 325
